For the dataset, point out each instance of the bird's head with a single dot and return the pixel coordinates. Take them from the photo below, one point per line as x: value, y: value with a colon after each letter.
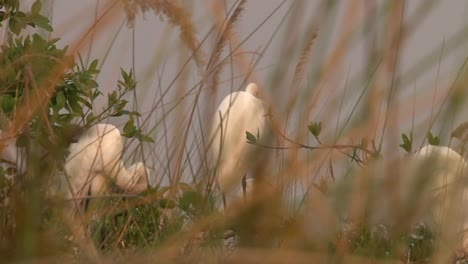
x: 140, y: 176
x: 253, y: 89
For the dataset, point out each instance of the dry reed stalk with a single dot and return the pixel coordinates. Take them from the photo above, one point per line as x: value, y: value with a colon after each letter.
x: 213, y: 70
x: 304, y: 59
x: 331, y: 66
x: 337, y: 54
x: 228, y: 36
x: 226, y: 28
x: 387, y: 70
x: 177, y: 15
x: 299, y: 73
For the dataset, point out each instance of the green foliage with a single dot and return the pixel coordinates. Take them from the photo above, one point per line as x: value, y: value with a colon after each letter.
x: 414, y: 245
x: 433, y: 140
x: 191, y: 202
x: 33, y: 65
x: 315, y: 128
x: 27, y: 65
x: 18, y: 20
x: 144, y: 221
x: 127, y: 225
x: 374, y: 243
x: 407, y: 144
x: 57, y: 91
x: 251, y: 139
x: 420, y: 243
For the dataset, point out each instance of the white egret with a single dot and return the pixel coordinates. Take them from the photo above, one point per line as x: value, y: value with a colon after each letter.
x: 427, y: 186
x: 449, y: 172
x: 95, y: 161
x: 96, y: 158
x: 238, y: 113
x: 448, y: 161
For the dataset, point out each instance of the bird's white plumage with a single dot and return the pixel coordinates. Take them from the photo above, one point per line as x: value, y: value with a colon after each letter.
x: 445, y: 164
x: 432, y: 178
x: 96, y: 159
x: 93, y: 163
x: 237, y: 113
x: 449, y: 171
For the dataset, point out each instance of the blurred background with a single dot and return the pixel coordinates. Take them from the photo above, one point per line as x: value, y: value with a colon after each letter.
x: 366, y: 70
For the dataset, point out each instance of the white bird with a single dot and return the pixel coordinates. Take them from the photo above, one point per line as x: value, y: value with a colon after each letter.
x: 428, y: 187
x: 448, y: 171
x: 445, y: 164
x: 93, y: 164
x: 95, y: 161
x: 238, y: 113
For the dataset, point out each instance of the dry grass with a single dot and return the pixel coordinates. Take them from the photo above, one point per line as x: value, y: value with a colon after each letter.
x: 320, y: 195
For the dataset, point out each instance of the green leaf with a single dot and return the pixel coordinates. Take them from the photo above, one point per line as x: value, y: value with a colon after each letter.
x: 90, y: 118
x: 42, y: 22
x: 85, y: 102
x: 128, y: 82
x: 145, y: 138
x: 433, y: 140
x: 251, y: 139
x: 315, y: 128
x: 111, y: 99
x: 120, y: 113
x: 60, y: 100
x: 74, y: 105
x: 407, y: 144
x: 16, y: 25
x: 190, y: 198
x: 95, y: 94
x: 129, y: 129
x: 120, y: 105
x: 93, y: 67
x: 36, y: 7
x: 64, y: 118
x: 14, y: 4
